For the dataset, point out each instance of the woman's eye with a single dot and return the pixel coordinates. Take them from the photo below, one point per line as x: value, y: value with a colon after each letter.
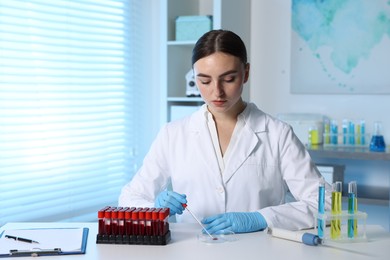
x: 230, y: 79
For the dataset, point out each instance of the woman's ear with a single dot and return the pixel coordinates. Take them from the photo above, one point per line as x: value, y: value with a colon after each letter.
x: 247, y: 69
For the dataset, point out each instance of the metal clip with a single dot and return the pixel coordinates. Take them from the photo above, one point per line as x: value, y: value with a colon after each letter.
x: 35, y: 252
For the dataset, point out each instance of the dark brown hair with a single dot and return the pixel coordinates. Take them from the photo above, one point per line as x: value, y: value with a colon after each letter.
x: 219, y: 41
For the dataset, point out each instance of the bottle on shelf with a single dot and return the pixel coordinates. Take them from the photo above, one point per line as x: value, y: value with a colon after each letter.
x: 377, y: 143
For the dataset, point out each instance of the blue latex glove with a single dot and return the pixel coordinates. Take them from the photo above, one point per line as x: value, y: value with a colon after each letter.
x: 238, y: 222
x: 171, y: 200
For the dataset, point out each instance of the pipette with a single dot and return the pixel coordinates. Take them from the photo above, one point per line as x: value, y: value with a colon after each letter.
x: 200, y: 223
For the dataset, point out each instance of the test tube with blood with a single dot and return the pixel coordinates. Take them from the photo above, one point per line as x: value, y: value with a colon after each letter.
x: 121, y: 221
x: 148, y: 222
x: 155, y: 222
x: 114, y: 221
x: 163, y: 221
x: 101, y: 219
x: 128, y: 222
x: 141, y: 221
x: 134, y: 221
x: 107, y: 222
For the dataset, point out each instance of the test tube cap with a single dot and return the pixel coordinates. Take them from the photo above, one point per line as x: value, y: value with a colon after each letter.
x: 338, y: 186
x: 352, y: 187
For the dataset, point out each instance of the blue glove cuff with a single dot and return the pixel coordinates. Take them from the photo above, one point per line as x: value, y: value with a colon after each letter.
x: 261, y: 222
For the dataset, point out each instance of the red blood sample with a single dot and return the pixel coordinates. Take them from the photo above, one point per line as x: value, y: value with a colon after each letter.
x: 107, y: 222
x: 141, y: 221
x: 101, y: 220
x: 121, y: 222
x: 163, y: 221
x: 114, y: 222
x: 155, y: 222
x: 134, y: 221
x: 148, y: 222
x: 128, y: 222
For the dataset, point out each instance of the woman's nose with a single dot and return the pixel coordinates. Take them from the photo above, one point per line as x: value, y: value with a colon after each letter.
x: 218, y: 88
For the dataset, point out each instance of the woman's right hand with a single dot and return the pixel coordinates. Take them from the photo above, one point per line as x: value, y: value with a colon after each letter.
x: 172, y: 200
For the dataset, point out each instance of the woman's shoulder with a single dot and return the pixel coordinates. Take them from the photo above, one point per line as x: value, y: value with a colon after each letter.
x: 262, y: 119
x: 186, y: 122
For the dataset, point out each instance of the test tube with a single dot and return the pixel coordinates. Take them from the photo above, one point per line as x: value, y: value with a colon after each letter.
x: 128, y: 222
x: 335, y: 224
x: 101, y: 213
x: 114, y: 221
x: 326, y: 131
x: 345, y: 131
x: 352, y: 209
x: 362, y: 132
x: 334, y: 132
x: 321, y: 207
x: 155, y: 222
x: 351, y: 131
x: 134, y: 221
x: 121, y: 221
x: 107, y: 222
x: 141, y: 221
x: 163, y: 221
x: 148, y: 221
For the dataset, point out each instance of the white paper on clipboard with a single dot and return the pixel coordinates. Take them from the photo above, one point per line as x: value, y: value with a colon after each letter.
x: 67, y: 239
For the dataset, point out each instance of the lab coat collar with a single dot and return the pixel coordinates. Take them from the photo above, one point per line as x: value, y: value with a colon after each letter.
x: 255, y: 122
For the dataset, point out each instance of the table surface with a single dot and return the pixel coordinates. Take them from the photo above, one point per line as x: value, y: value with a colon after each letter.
x: 257, y: 245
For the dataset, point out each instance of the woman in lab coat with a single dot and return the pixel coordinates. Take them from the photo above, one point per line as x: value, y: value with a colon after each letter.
x: 230, y: 162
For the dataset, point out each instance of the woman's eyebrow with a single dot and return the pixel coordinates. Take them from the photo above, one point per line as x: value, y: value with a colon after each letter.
x: 203, y: 75
x: 220, y: 76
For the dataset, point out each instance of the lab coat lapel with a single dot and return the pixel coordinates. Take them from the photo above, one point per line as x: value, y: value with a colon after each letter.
x: 204, y: 144
x: 247, y: 142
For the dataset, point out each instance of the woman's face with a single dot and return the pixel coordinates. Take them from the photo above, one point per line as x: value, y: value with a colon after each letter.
x: 220, y: 78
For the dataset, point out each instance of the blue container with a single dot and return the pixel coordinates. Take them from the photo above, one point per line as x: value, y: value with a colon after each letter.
x: 191, y: 28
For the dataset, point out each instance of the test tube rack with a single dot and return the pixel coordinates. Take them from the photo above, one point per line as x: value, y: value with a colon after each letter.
x: 344, y: 219
x: 346, y: 140
x: 133, y: 226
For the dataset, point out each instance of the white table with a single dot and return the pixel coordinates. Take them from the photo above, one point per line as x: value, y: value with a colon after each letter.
x: 258, y: 245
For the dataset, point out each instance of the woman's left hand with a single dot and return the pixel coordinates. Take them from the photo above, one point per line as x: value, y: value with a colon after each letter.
x: 238, y: 222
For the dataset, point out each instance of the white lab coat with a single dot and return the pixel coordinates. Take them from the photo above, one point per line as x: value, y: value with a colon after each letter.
x: 267, y: 161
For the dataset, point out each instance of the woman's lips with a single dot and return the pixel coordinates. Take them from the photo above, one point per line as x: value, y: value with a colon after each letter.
x: 218, y: 102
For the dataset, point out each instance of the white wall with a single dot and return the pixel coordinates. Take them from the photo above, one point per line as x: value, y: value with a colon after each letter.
x: 270, y: 78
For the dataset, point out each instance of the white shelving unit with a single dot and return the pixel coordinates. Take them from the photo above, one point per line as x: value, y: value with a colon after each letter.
x: 176, y: 55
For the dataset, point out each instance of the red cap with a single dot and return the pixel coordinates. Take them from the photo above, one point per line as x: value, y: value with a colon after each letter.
x: 114, y: 213
x: 142, y: 213
x: 128, y: 213
x: 155, y: 214
x: 107, y: 213
x: 101, y: 211
x: 164, y: 212
x: 148, y: 214
x: 121, y: 213
x: 135, y: 213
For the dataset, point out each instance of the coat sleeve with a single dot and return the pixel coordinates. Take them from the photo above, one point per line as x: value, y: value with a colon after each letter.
x: 151, y: 178
x: 302, y: 178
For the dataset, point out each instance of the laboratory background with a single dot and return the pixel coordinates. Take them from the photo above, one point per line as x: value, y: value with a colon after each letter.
x: 267, y: 27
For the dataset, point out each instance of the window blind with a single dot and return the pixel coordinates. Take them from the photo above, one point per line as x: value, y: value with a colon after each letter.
x: 66, y: 107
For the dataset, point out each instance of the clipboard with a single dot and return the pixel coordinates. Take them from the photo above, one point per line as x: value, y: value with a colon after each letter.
x: 52, y: 241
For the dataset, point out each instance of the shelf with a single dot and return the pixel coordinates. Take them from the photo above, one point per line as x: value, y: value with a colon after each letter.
x: 185, y: 99
x: 181, y: 43
x: 358, y: 153
x: 176, y: 55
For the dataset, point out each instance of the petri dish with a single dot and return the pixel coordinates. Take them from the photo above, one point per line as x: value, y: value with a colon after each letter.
x: 222, y: 236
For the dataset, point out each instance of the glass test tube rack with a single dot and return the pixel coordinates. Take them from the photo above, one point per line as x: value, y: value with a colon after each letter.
x: 346, y: 140
x: 133, y: 225
x: 344, y: 220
